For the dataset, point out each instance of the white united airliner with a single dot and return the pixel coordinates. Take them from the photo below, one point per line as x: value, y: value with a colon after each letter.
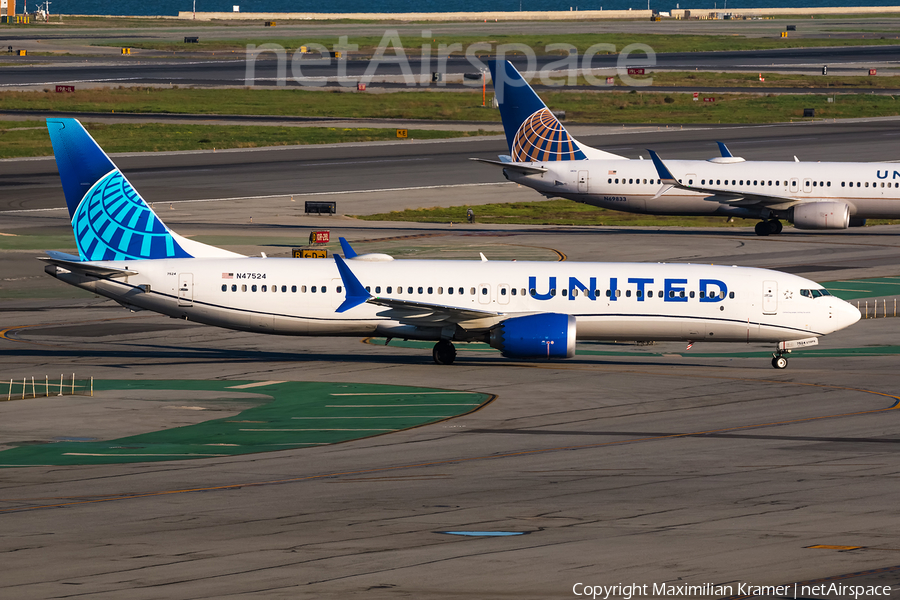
x: 811, y: 195
x: 524, y: 309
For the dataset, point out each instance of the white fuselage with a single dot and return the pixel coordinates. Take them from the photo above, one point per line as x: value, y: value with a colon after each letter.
x: 871, y: 190
x: 610, y: 301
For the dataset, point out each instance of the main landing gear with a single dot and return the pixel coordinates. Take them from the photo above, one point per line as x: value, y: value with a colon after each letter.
x: 770, y: 227
x: 779, y: 360
x: 444, y: 352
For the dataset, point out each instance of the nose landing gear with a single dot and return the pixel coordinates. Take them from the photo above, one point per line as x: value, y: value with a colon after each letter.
x: 444, y: 352
x: 770, y: 227
x: 779, y: 360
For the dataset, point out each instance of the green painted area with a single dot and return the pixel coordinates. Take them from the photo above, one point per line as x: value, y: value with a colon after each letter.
x: 299, y: 415
x: 864, y: 288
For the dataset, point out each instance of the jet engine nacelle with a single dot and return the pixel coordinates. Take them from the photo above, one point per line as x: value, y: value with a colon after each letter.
x: 547, y: 335
x: 821, y: 215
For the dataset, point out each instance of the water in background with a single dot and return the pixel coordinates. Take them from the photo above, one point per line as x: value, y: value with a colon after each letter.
x: 171, y: 7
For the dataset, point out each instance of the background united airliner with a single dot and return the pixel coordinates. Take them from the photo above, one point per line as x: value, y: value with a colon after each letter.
x: 811, y: 195
x: 524, y: 309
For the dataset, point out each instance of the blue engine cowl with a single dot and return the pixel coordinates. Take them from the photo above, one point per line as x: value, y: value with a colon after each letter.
x: 548, y: 335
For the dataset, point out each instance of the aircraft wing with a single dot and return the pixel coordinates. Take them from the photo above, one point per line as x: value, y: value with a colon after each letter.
x: 521, y: 168
x: 730, y: 197
x: 413, y: 312
x: 85, y: 268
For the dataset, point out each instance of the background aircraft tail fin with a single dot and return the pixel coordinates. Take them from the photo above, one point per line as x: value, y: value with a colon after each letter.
x: 533, y: 133
x: 111, y: 221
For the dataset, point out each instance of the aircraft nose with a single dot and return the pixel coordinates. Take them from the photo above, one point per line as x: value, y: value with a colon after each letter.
x: 845, y: 315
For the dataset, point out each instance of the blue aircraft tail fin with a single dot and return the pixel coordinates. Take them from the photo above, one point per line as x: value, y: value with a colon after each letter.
x: 109, y: 218
x: 532, y: 132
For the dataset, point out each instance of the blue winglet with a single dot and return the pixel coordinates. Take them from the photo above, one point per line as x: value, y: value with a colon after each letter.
x: 664, y: 174
x: 723, y: 149
x: 356, y: 293
x: 349, y: 252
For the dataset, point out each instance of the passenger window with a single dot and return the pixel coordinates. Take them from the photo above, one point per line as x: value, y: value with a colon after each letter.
x: 323, y: 289
x: 513, y: 291
x: 721, y: 295
x: 565, y: 292
x: 253, y: 288
x: 828, y: 184
x: 313, y: 289
x: 630, y: 181
x: 718, y: 182
x: 770, y: 182
x: 533, y: 292
x: 409, y: 290
x: 224, y: 287
x: 233, y: 288
x: 472, y: 291
x: 460, y: 291
x: 523, y: 291
x: 399, y: 289
x: 702, y: 182
x: 552, y: 291
x: 628, y: 293
x: 450, y: 290
x: 294, y: 289
x: 814, y: 184
x: 244, y: 287
x: 440, y: 290
x: 421, y: 290
x: 649, y: 293
x: 609, y: 293
x: 610, y: 180
x: 843, y: 184
x: 430, y: 290
x: 692, y: 294
x: 389, y: 288
x: 671, y: 294
x: 617, y: 180
x: 702, y: 295
x: 690, y: 182
x: 639, y: 293
x: 503, y: 291
x: 618, y: 293
x: 731, y: 295
x: 263, y: 289
x: 377, y: 289
x: 302, y: 289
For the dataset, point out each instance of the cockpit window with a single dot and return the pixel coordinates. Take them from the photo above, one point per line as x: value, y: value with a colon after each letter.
x: 815, y: 293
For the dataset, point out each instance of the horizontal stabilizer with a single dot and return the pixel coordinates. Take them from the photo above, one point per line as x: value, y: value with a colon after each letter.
x: 87, y: 268
x: 518, y: 167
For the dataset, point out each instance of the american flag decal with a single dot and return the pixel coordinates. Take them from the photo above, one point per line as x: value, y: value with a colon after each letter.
x: 227, y: 275
x: 612, y: 172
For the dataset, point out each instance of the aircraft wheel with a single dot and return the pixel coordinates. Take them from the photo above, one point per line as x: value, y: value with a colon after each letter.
x: 762, y: 228
x: 779, y: 362
x: 444, y: 352
x: 777, y: 226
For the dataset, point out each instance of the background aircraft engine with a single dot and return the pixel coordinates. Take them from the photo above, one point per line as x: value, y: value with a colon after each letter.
x: 821, y: 215
x: 548, y: 335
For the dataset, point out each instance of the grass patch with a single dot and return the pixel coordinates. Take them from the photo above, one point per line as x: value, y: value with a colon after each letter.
x: 366, y: 45
x: 550, y: 212
x: 251, y: 101
x: 674, y: 108
x: 153, y: 137
x: 751, y: 80
x: 560, y: 212
x: 585, y: 106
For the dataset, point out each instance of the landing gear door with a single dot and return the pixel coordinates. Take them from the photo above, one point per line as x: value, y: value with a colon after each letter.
x: 770, y: 297
x: 185, y: 289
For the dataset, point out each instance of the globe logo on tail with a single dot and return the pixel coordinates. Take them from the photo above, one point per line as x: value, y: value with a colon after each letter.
x: 542, y: 138
x: 114, y: 223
